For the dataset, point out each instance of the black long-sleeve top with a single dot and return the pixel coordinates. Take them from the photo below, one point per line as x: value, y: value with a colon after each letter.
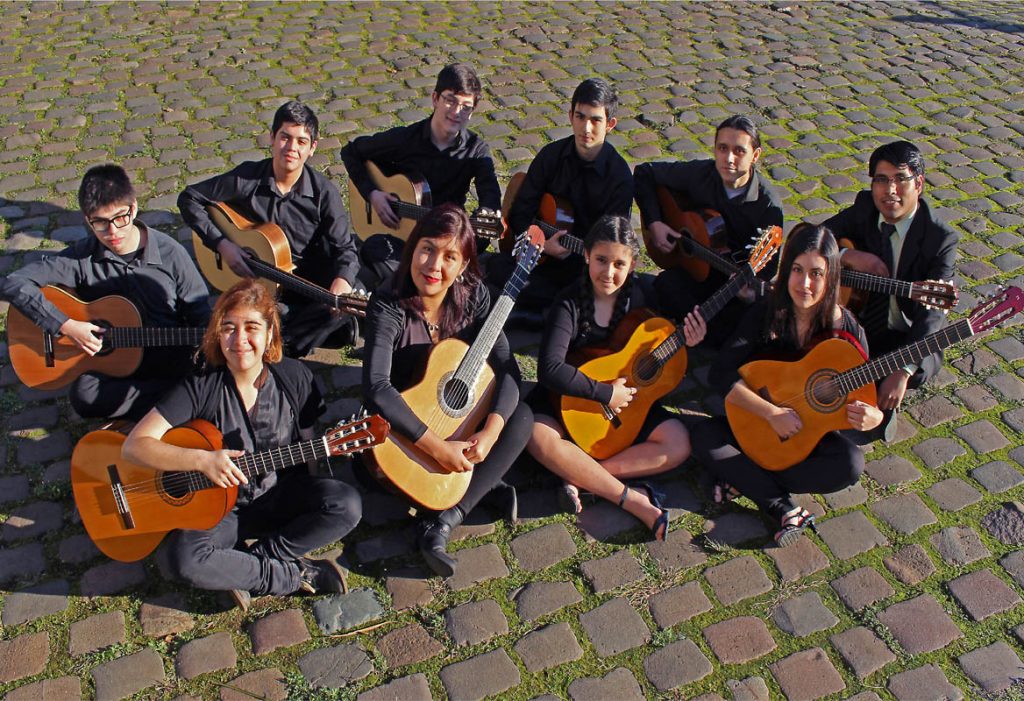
x: 311, y: 215
x: 448, y: 172
x: 397, y: 346
x: 592, y: 188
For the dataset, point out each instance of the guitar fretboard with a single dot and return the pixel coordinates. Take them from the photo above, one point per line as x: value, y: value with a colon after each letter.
x: 873, y: 283
x: 152, y: 336
x: 303, y: 287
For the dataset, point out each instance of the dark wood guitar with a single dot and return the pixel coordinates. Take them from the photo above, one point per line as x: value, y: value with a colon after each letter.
x: 935, y: 294
x: 453, y: 398
x: 414, y: 201
x: 553, y: 215
x: 820, y: 385
x: 653, y: 361
x: 270, y: 258
x: 127, y: 510
x: 47, y: 361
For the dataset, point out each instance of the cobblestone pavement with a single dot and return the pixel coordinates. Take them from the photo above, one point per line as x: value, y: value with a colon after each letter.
x: 910, y: 589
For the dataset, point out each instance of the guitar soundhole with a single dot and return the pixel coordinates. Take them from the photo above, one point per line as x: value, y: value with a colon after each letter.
x: 823, y: 395
x: 174, y: 488
x: 646, y: 370
x: 456, y: 394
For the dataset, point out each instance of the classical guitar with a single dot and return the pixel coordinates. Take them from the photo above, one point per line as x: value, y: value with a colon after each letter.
x: 653, y: 360
x: 453, y: 398
x: 48, y: 361
x: 413, y: 193
x: 553, y: 215
x: 127, y: 510
x: 270, y: 258
x: 934, y: 294
x: 831, y: 375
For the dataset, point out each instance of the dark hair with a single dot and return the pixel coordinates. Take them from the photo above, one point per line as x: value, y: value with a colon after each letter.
x: 805, y: 238
x: 295, y: 112
x: 899, y: 153
x: 442, y: 222
x: 459, y: 78
x: 596, y: 92
x: 613, y: 229
x: 742, y: 123
x: 103, y: 186
x: 247, y: 292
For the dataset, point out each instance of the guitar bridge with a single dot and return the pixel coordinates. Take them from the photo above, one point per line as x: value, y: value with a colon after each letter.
x: 120, y: 501
x: 217, y: 258
x: 611, y: 416
x: 48, y: 353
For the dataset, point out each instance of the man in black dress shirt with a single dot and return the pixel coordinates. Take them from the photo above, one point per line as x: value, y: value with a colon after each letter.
x: 285, y: 190
x: 583, y: 169
x: 121, y: 256
x: 440, y: 148
x: 894, y: 234
x: 728, y: 184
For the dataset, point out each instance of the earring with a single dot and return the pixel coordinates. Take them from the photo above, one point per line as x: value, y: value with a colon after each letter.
x: 460, y: 279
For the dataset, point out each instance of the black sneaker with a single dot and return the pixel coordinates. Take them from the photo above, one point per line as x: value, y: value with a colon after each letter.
x: 320, y: 576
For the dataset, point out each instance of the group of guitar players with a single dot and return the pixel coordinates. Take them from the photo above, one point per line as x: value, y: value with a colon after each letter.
x: 441, y: 283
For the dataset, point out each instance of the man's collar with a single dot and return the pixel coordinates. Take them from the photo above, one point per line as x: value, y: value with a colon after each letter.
x: 149, y: 254
x: 903, y: 225
x: 303, y: 188
x: 427, y: 133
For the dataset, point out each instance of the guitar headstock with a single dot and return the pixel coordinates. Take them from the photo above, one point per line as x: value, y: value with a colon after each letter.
x: 996, y: 309
x: 357, y: 434
x: 765, y: 248
x: 935, y: 294
x: 528, y: 246
x: 487, y: 223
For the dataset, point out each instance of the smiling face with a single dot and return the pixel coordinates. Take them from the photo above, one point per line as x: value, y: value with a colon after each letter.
x: 452, y: 112
x: 590, y: 127
x: 609, y: 265
x: 895, y: 191
x: 808, y: 278
x: 244, y: 336
x: 735, y: 156
x: 290, y: 147
x: 436, y: 263
x: 114, y: 226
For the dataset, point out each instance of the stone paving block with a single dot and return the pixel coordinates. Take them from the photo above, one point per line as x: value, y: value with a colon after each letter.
x: 111, y: 578
x: 676, y: 665
x: 548, y: 647
x: 32, y: 521
x: 738, y: 579
x: 892, y: 469
x: 390, y: 544
x: 408, y: 588
x: 906, y: 513
x: 412, y: 688
x: 862, y: 587
x: 479, y: 677
x: 618, y: 685
x: 164, y: 615
x: 13, y: 488
x: 982, y: 594
x: 920, y: 625
x: 739, y: 640
x: 1008, y: 385
x: 334, y: 667
x: 77, y: 549
x: 997, y: 476
x: 21, y: 562
x: 475, y: 622
x: 543, y: 547
x: 476, y: 565
x: 204, y: 655
x: 96, y: 632
x: 801, y: 559
x: 408, y: 645
x: 862, y: 650
x: 934, y: 411
x: 677, y: 604
x: 749, y: 689
x: 541, y: 598
x: 807, y: 675
x: 1014, y: 565
x: 854, y: 495
x: 612, y: 572
x: 953, y: 494
x: 267, y: 684
x: 911, y: 564
x: 926, y: 682
x: 676, y: 554
x: 35, y: 602
x: 976, y: 398
x: 340, y: 612
x: 734, y: 528
x: 850, y: 535
x: 23, y: 656
x: 604, y: 521
x: 614, y: 627
x: 128, y: 675
x: 278, y: 630
x: 982, y: 436
x: 803, y: 615
x: 936, y: 452
x: 959, y: 545
x: 61, y: 688
x: 1014, y: 418
x: 994, y: 668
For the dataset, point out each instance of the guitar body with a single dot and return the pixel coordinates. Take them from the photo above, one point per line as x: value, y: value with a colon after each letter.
x: 585, y: 420
x: 156, y: 506
x: 798, y: 385
x: 25, y: 341
x: 265, y: 241
x: 412, y: 471
x: 554, y: 211
x: 705, y: 226
x: 408, y: 187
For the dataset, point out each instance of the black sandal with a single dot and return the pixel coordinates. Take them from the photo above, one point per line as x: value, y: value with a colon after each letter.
x: 569, y: 499
x: 793, y: 524
x: 660, y: 527
x: 723, y: 493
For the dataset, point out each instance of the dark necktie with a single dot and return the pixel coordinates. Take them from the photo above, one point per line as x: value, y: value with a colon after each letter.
x: 876, y: 312
x: 888, y: 230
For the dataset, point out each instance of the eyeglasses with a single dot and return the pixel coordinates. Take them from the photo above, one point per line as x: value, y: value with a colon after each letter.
x: 452, y: 104
x: 120, y: 221
x: 899, y: 180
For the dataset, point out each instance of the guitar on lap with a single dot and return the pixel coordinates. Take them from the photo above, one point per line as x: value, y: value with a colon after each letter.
x: 553, y: 215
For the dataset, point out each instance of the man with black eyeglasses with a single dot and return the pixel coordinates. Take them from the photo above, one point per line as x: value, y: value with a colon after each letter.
x: 895, y: 235
x: 122, y: 256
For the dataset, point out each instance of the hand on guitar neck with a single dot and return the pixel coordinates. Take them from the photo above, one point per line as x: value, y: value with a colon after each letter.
x: 381, y: 203
x: 235, y: 257
x: 553, y: 246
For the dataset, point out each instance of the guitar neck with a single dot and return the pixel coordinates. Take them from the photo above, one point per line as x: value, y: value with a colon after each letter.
x: 573, y: 243
x: 152, y: 336
x: 874, y: 283
x: 409, y: 210
x: 295, y: 283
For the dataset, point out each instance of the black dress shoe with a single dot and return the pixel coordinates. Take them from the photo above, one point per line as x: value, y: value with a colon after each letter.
x: 433, y: 540
x: 504, y: 499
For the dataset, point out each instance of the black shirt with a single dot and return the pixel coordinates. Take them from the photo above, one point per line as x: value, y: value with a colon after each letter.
x: 448, y: 172
x: 592, y: 188
x: 311, y: 215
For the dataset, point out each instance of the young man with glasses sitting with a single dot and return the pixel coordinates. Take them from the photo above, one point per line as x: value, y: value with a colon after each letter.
x: 122, y: 256
x: 440, y: 148
x: 894, y: 234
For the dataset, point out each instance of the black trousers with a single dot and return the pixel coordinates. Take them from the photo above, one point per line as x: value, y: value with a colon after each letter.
x: 882, y: 342
x: 95, y: 396
x: 307, y: 325
x: 504, y: 452
x: 300, y: 513
x: 834, y: 464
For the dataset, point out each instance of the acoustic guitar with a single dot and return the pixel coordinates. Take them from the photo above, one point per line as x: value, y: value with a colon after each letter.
x: 935, y: 294
x: 553, y: 215
x: 127, y: 509
x: 653, y: 361
x: 452, y: 399
x: 43, y: 360
x: 820, y: 385
x: 414, y: 201
x: 270, y: 257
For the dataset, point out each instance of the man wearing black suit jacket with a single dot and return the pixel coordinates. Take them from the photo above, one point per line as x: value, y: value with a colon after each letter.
x: 892, y: 228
